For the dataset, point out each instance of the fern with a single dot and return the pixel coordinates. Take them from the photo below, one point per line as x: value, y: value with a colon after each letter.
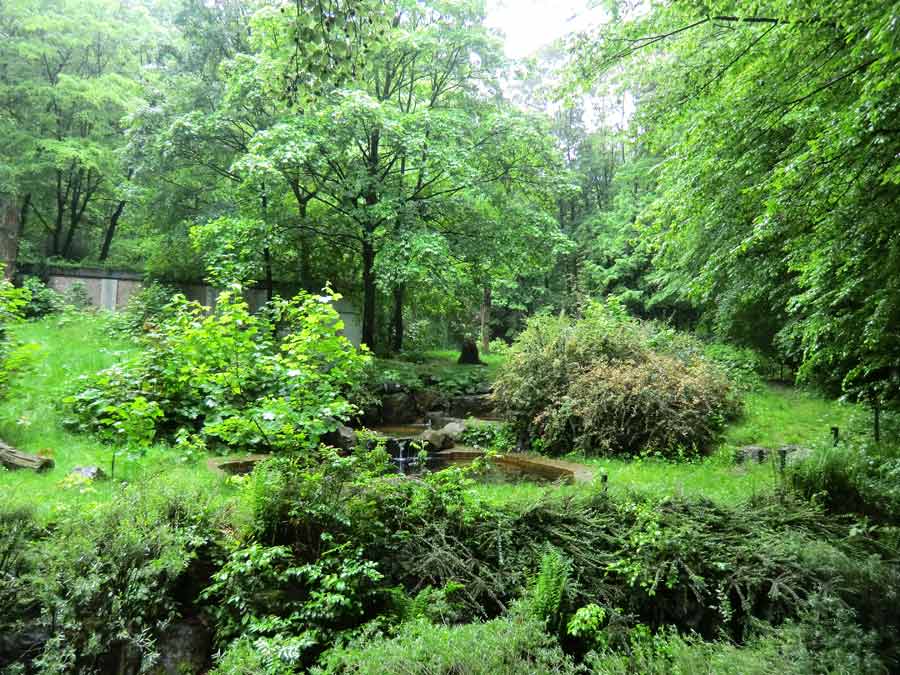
x: 549, y: 598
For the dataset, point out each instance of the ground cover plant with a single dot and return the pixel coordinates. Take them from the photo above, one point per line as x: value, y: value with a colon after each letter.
x: 325, y: 548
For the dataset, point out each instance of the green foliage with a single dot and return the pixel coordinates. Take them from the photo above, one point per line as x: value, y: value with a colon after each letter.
x: 505, y: 646
x: 108, y: 578
x: 265, y: 592
x: 489, y: 436
x: 745, y: 368
x: 144, y: 310
x: 43, y: 301
x: 825, y: 640
x: 13, y: 304
x: 76, y: 296
x: 610, y: 383
x: 781, y: 228
x: 74, y: 71
x: 228, y: 376
x: 549, y: 599
x: 17, y: 562
x: 850, y: 478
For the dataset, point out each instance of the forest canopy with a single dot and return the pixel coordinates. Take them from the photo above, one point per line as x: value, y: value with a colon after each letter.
x: 731, y: 169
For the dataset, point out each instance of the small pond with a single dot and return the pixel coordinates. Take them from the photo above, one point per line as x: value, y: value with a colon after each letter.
x: 497, y: 472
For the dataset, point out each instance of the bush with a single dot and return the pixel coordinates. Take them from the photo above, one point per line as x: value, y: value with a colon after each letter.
x: 744, y: 367
x: 862, y: 480
x: 825, y: 640
x: 110, y: 579
x: 21, y: 608
x: 611, y: 383
x: 13, y: 302
x: 77, y: 296
x: 43, y: 301
x: 507, y: 646
x: 230, y: 377
x: 144, y: 311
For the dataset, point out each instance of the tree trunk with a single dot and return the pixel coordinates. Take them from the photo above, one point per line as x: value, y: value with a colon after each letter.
x: 55, y: 244
x: 486, y: 320
x: 9, y: 236
x: 111, y: 230
x: 270, y: 286
x: 12, y: 458
x: 397, y: 319
x: 368, y: 319
x: 305, y: 267
x: 23, y: 215
x: 876, y: 417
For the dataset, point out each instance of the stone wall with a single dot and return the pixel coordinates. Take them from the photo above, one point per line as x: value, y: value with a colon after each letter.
x: 110, y: 289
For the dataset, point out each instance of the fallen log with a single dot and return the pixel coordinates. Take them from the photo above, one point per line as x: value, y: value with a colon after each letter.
x: 12, y: 458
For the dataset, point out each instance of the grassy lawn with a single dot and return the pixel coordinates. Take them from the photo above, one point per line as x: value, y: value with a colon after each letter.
x: 66, y: 348
x: 775, y: 416
x: 71, y: 346
x: 446, y: 358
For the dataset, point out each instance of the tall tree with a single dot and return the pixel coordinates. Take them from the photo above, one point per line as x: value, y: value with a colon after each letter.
x: 70, y: 72
x: 779, y: 188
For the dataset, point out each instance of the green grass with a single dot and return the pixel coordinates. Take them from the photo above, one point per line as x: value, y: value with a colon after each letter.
x: 446, y: 358
x: 64, y: 349
x: 68, y: 347
x: 774, y: 416
x: 780, y: 415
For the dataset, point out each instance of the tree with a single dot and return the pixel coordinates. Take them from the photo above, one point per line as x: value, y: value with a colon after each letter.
x: 70, y: 73
x: 779, y: 183
x: 386, y: 161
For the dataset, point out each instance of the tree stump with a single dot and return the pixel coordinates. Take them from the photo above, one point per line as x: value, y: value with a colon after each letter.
x: 12, y: 458
x: 469, y: 354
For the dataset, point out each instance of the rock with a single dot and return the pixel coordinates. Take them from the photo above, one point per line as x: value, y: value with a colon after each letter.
x: 475, y: 405
x: 755, y: 453
x: 437, y: 440
x: 484, y: 388
x: 398, y: 409
x: 759, y: 454
x: 342, y: 438
x: 428, y: 399
x: 453, y: 430
x: 21, y: 646
x: 438, y: 419
x: 88, y: 472
x: 796, y: 453
x: 183, y: 648
x: 392, y: 387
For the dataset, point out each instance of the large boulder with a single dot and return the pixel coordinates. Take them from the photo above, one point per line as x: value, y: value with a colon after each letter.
x: 453, y: 430
x: 475, y: 405
x: 399, y: 408
x: 184, y: 647
x: 342, y: 438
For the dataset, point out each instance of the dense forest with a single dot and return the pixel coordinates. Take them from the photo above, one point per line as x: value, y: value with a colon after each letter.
x: 657, y: 259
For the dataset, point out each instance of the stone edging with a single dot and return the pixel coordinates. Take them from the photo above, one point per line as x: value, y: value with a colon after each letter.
x: 555, y: 469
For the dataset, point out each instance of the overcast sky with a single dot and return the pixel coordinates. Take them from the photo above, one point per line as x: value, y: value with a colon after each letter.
x: 531, y: 24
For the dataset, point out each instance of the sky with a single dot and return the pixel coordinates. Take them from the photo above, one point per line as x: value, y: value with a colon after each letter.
x: 531, y: 24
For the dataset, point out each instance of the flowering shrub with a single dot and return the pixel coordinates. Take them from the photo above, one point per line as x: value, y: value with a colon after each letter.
x: 270, y: 382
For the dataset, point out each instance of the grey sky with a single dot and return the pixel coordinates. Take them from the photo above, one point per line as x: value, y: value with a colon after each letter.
x: 531, y: 24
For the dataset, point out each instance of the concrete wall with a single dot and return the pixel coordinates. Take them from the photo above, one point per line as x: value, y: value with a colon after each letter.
x: 111, y: 289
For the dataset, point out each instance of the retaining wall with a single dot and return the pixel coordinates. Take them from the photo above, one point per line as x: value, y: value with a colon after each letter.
x: 110, y: 290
